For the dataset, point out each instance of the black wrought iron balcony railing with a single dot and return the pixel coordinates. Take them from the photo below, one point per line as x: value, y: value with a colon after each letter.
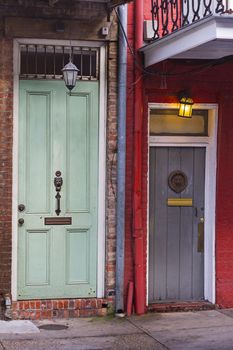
x: 169, y: 16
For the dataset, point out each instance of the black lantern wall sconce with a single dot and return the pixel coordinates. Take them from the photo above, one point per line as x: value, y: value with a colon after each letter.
x: 186, y: 105
x: 70, y: 73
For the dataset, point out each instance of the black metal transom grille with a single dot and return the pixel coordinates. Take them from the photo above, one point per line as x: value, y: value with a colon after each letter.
x: 47, y: 61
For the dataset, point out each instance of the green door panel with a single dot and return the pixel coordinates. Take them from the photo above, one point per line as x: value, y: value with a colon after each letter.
x: 58, y: 132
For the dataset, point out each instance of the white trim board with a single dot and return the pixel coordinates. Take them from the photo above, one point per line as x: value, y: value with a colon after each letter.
x: 210, y: 143
x: 102, y: 156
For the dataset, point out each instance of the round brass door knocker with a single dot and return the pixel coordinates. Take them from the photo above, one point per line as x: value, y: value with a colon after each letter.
x: 177, y: 181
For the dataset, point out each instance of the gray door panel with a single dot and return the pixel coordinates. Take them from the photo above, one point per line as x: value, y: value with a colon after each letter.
x: 176, y: 267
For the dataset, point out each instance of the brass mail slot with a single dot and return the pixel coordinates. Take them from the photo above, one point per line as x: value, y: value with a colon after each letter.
x: 58, y: 221
x: 180, y: 202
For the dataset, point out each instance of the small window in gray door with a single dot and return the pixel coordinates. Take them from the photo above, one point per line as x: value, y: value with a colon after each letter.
x: 176, y: 223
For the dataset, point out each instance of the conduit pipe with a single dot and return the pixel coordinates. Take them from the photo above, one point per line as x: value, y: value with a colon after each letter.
x: 121, y: 147
x: 129, y: 299
x: 139, y: 278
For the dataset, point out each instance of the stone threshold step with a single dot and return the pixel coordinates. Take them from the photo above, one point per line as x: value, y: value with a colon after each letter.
x: 176, y: 306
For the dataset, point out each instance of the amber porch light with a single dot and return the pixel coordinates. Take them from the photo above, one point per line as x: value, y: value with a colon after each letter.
x: 186, y: 107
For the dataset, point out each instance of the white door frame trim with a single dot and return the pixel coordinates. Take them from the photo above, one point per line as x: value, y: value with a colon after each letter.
x: 102, y: 155
x: 210, y: 143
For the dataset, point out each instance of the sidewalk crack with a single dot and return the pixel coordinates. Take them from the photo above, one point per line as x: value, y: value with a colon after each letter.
x: 146, y: 333
x: 225, y: 313
x: 2, y: 346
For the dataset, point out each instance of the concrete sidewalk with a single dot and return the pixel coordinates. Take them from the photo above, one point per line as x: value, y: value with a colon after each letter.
x: 209, y: 330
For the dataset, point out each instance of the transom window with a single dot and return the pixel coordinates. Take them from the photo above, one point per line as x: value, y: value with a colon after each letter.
x: 166, y: 122
x: 47, y: 61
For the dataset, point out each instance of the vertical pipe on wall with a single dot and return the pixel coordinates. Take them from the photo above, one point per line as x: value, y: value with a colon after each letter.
x: 121, y: 147
x: 130, y: 299
x: 139, y: 276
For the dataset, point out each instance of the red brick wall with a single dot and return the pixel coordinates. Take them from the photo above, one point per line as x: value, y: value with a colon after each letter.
x: 131, y: 83
x: 58, y: 308
x: 6, y: 124
x: 209, y: 85
x: 147, y: 10
x: 224, y: 219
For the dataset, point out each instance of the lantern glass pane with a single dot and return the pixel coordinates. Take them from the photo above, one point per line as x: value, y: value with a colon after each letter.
x: 65, y: 77
x: 70, y: 78
x: 167, y: 122
x: 75, y: 73
x: 185, y: 110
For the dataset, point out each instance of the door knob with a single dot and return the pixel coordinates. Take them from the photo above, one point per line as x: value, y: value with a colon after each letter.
x: 21, y: 222
x: 21, y: 207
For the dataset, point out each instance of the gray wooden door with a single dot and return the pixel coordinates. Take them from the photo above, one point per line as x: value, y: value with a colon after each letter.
x: 176, y: 251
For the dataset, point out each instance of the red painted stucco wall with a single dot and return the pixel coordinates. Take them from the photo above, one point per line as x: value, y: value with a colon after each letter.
x: 209, y: 84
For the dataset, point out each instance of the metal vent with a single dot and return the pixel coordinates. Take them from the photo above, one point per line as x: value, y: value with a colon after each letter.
x: 47, y: 61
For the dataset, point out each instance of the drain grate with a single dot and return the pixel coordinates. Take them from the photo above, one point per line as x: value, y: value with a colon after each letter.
x: 53, y: 327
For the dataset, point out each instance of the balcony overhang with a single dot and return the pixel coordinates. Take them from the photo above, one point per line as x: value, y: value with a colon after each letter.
x: 209, y: 38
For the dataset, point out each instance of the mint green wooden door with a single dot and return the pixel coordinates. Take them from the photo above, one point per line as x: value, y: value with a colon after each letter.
x: 58, y: 132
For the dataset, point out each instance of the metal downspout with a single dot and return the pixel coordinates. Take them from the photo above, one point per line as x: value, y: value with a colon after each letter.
x: 121, y: 155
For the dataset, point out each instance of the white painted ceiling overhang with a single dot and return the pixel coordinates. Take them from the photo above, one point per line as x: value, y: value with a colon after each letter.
x: 209, y: 38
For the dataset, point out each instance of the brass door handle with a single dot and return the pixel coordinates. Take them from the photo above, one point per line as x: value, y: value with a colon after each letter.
x: 200, y: 241
x: 58, y: 181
